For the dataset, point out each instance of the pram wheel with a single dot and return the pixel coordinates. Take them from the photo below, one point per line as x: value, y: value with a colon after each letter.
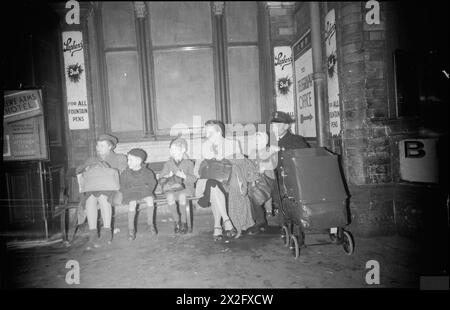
x: 347, y: 243
x: 294, y: 246
x: 285, y: 235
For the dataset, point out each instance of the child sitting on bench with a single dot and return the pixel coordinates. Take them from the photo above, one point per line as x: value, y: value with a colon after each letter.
x: 177, y: 181
x: 137, y: 183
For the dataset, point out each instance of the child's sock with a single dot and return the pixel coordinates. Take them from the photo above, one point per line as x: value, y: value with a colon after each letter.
x: 183, y: 213
x: 131, y: 216
x: 173, y: 209
x: 150, y: 216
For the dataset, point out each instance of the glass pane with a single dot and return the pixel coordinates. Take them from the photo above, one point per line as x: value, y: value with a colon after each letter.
x: 177, y: 23
x: 241, y: 18
x: 125, y: 100
x: 184, y: 82
x: 118, y: 24
x: 243, y: 68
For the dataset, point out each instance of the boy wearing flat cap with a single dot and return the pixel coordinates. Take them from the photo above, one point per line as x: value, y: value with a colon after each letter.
x: 91, y: 200
x: 137, y: 184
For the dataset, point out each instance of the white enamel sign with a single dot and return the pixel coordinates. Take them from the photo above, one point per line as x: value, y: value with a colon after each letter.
x: 75, y: 76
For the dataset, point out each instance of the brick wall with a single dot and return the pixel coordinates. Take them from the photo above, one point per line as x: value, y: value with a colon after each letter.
x: 380, y: 203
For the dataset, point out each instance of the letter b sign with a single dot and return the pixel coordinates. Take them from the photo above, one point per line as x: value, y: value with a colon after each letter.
x: 414, y: 149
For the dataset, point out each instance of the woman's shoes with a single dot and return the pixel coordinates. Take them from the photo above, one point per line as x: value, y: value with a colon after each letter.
x: 230, y: 233
x: 238, y: 234
x: 217, y: 234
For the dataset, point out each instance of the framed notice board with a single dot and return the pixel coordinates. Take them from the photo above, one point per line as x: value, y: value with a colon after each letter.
x: 24, y: 134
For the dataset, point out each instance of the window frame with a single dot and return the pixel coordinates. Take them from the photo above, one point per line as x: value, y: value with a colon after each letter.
x: 145, y: 60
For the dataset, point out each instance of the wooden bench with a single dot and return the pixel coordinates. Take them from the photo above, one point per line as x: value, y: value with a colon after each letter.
x: 63, y: 210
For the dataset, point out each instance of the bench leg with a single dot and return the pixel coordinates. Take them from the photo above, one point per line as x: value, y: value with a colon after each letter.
x: 63, y: 225
x: 190, y: 215
x: 155, y: 211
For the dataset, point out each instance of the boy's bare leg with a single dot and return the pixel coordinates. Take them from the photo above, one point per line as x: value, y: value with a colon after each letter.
x: 106, y: 210
x: 150, y: 209
x: 131, y: 217
x: 174, y: 209
x: 183, y: 202
x: 92, y: 214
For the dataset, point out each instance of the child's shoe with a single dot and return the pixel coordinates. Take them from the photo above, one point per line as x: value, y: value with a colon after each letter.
x: 131, y: 234
x: 106, y: 236
x: 151, y: 230
x: 93, y: 242
x: 184, y: 228
x: 177, y: 227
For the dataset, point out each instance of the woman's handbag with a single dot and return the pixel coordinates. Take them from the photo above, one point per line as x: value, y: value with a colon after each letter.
x: 260, y: 191
x: 172, y: 184
x: 216, y: 170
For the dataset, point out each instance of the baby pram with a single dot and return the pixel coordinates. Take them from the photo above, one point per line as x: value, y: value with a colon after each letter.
x: 314, y: 198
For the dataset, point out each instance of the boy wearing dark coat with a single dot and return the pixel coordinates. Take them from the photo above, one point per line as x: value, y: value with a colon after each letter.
x: 137, y: 184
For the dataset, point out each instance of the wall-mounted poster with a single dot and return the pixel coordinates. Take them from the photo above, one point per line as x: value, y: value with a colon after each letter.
x: 284, y: 80
x: 304, y: 87
x: 332, y: 74
x: 75, y: 76
x: 24, y: 136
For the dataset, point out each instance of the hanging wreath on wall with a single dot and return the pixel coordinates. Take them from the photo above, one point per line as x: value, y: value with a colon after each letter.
x: 284, y: 85
x: 332, y: 60
x: 74, y: 72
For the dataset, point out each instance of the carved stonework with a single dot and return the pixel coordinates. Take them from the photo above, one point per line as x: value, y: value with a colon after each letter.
x: 217, y: 7
x: 140, y: 8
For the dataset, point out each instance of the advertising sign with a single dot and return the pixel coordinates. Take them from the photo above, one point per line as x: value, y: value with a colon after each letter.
x: 332, y: 74
x: 24, y: 136
x: 284, y: 80
x: 75, y: 76
x: 304, y: 87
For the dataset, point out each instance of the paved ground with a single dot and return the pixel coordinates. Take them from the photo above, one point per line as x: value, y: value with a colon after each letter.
x: 196, y: 261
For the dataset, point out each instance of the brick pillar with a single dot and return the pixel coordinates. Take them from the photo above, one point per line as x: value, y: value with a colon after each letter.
x: 370, y: 132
